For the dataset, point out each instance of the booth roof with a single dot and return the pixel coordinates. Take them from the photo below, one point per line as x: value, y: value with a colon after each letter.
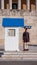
x: 13, y: 22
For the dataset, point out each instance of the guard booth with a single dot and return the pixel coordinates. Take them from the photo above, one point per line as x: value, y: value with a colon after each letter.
x: 12, y: 26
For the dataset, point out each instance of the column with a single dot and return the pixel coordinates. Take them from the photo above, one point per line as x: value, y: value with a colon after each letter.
x: 2, y: 4
x: 28, y: 5
x: 10, y: 4
x: 36, y: 5
x: 19, y: 4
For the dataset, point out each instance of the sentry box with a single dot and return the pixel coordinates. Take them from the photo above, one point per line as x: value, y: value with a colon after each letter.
x: 12, y: 26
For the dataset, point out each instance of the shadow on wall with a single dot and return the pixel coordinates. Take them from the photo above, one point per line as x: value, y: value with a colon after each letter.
x: 1, y: 44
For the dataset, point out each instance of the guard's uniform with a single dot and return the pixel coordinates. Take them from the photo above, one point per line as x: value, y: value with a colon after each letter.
x: 25, y: 40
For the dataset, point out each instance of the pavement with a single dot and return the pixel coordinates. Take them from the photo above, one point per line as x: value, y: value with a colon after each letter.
x: 18, y: 62
x: 32, y: 49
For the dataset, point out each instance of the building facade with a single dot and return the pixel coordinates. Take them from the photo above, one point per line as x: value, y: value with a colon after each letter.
x: 26, y: 9
x: 19, y: 4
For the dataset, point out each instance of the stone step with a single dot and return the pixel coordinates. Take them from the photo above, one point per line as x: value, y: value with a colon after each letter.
x: 19, y: 56
x: 18, y: 52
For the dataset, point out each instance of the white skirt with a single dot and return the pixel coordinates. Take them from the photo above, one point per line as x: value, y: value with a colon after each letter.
x: 25, y: 45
